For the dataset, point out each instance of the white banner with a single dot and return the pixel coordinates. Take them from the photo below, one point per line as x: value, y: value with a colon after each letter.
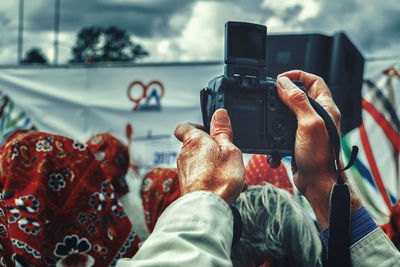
x: 79, y: 102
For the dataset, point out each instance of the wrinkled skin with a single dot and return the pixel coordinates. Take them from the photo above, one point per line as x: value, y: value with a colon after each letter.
x: 313, y: 164
x: 210, y: 162
x: 213, y: 163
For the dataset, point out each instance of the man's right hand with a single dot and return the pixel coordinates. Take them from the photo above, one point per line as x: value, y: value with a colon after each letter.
x: 210, y: 162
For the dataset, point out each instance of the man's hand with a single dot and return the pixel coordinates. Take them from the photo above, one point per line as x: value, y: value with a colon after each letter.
x: 313, y: 154
x: 210, y: 162
x: 313, y: 166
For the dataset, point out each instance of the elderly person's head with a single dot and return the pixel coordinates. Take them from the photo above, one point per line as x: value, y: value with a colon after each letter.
x: 276, y: 230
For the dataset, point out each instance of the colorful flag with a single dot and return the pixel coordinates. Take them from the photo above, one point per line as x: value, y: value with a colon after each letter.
x: 12, y: 119
x: 375, y: 176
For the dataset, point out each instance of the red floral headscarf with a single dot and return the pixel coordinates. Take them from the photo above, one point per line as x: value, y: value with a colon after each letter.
x: 258, y: 171
x: 62, y: 200
x: 159, y: 189
x: 7, y: 253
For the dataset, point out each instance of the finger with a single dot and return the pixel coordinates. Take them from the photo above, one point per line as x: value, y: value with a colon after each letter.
x: 220, y: 128
x: 199, y: 126
x: 295, y: 98
x: 314, y: 84
x: 317, y: 90
x: 309, y: 80
x: 187, y: 130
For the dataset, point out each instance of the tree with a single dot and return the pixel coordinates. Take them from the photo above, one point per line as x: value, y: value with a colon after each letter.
x: 86, y: 47
x: 35, y: 55
x: 96, y: 44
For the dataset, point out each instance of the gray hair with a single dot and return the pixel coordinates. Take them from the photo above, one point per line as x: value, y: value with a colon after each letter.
x: 275, y: 228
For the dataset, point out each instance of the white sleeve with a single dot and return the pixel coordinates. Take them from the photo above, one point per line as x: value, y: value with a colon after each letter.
x: 195, y: 230
x: 375, y: 250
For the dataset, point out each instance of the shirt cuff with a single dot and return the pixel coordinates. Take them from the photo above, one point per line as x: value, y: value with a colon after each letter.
x: 361, y: 225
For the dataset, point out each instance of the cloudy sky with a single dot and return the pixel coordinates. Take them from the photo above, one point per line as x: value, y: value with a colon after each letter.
x: 192, y: 30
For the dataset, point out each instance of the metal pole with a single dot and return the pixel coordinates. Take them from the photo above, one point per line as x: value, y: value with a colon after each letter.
x: 20, y: 30
x: 56, y: 29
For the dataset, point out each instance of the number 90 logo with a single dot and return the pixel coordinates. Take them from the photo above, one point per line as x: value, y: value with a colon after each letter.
x: 142, y: 94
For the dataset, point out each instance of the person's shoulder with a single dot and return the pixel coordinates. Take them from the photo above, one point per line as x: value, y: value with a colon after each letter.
x: 375, y: 249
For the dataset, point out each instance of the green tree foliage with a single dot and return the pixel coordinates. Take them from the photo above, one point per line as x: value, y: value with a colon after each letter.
x: 86, y: 47
x: 96, y: 44
x: 34, y: 55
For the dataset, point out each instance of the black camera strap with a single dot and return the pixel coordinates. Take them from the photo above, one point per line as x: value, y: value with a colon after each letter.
x: 237, y: 225
x: 339, y: 229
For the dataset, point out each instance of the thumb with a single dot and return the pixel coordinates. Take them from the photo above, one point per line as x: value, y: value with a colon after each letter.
x: 221, y: 129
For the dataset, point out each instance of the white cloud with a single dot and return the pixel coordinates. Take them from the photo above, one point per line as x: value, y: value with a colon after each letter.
x: 196, y: 31
x: 310, y: 8
x: 202, y: 35
x: 282, y: 21
x: 276, y: 24
x: 8, y: 56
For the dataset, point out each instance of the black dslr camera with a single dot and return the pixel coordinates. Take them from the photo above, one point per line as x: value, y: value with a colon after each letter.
x: 261, y: 122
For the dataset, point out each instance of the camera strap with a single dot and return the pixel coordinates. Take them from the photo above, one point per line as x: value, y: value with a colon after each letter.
x: 237, y: 225
x: 339, y: 229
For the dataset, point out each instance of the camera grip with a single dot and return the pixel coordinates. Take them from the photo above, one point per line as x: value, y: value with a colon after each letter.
x: 205, y: 94
x: 209, y: 103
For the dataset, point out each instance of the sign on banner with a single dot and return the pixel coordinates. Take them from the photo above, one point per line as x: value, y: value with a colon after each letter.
x: 79, y: 102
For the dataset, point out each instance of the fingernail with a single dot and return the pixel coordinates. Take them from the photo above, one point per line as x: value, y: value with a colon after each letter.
x: 221, y: 117
x: 286, y: 83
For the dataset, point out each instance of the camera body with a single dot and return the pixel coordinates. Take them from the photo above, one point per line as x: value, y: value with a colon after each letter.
x: 261, y: 122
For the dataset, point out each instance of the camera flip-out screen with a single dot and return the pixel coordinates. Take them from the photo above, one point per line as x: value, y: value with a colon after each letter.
x: 245, y: 44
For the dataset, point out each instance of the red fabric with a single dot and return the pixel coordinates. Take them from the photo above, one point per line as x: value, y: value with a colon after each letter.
x: 258, y: 172
x: 7, y: 253
x: 62, y: 199
x: 159, y: 189
x: 113, y: 158
x: 14, y: 134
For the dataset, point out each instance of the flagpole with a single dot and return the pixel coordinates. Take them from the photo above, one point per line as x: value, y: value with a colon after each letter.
x: 56, y: 29
x: 20, y: 30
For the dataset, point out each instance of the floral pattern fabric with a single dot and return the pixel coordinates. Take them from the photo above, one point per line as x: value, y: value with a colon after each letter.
x: 258, y: 172
x: 160, y: 188
x: 7, y: 252
x: 62, y: 201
